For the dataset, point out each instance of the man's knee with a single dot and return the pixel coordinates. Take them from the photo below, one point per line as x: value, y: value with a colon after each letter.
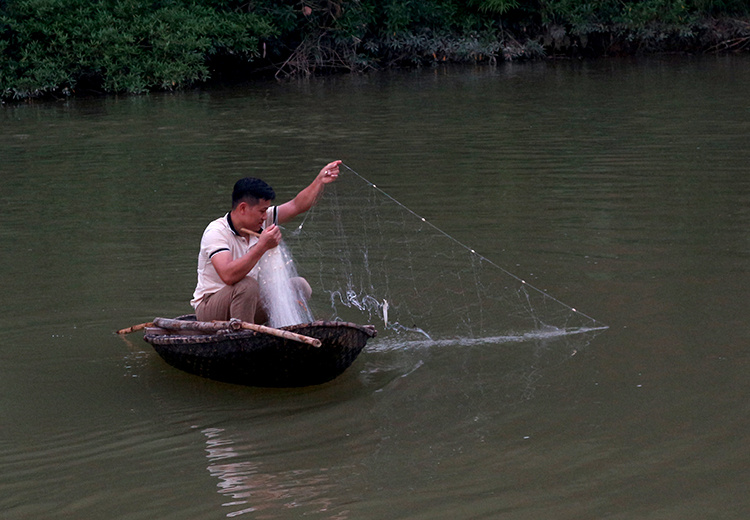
x: 302, y: 287
x: 245, y: 303
x: 248, y: 286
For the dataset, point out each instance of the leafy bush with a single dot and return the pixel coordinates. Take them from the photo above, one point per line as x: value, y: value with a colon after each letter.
x: 117, y: 45
x: 56, y: 46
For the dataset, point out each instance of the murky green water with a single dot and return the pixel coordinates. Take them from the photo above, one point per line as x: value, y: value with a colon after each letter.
x: 622, y: 188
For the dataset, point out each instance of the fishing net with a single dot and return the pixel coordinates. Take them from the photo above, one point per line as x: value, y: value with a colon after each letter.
x: 283, y: 299
x: 370, y: 259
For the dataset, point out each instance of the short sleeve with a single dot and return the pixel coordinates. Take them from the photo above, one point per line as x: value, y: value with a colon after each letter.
x: 213, y: 241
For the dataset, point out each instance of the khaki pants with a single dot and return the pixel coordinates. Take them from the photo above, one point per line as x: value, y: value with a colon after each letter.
x: 241, y: 301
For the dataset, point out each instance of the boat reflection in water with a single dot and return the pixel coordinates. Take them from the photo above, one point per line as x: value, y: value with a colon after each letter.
x: 251, y: 489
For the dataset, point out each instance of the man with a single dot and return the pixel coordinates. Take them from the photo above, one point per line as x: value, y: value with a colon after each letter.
x: 232, y: 245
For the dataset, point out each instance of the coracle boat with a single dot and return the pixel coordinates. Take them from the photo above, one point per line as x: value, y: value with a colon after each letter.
x: 254, y: 355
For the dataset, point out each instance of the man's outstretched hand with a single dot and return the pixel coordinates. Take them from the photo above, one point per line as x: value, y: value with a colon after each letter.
x: 330, y: 172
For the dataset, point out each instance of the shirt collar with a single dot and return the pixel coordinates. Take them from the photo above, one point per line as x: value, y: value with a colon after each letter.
x: 231, y: 225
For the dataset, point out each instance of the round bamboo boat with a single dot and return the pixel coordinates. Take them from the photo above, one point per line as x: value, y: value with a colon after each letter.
x: 253, y: 358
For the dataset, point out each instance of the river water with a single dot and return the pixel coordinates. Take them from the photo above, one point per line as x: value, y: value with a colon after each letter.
x: 620, y: 187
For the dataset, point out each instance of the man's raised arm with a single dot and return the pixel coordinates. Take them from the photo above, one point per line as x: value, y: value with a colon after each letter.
x: 307, y: 198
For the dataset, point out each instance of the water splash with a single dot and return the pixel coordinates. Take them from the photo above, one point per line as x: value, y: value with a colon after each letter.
x: 544, y: 334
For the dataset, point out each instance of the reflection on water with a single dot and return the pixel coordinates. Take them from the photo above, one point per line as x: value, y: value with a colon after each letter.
x: 252, y: 488
x: 301, y: 469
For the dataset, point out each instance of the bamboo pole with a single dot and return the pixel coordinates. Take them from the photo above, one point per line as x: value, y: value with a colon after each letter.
x: 251, y: 233
x: 135, y: 328
x: 263, y: 329
x: 200, y: 326
x: 215, y: 326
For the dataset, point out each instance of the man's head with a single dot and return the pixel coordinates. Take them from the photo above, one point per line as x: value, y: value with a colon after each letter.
x: 251, y: 199
x: 251, y: 191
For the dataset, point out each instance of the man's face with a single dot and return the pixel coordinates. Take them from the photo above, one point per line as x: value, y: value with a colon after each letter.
x: 255, y: 215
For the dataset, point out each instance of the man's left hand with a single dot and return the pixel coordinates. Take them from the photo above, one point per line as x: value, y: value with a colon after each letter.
x: 330, y: 172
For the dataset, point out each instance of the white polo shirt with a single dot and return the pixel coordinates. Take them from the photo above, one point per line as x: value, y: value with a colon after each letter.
x: 220, y: 235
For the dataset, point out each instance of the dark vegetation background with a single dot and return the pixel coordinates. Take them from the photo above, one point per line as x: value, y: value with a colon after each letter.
x: 62, y: 47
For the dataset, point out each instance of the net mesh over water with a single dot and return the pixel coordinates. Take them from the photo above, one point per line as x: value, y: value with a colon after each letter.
x: 371, y: 259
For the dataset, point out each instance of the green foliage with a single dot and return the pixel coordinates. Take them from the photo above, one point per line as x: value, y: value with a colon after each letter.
x: 635, y: 14
x: 496, y: 6
x: 627, y: 25
x: 117, y: 45
x: 56, y: 46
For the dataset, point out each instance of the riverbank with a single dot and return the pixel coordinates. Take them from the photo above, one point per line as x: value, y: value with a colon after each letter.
x: 52, y: 48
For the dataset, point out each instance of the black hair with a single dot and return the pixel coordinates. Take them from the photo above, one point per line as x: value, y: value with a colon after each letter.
x: 251, y: 190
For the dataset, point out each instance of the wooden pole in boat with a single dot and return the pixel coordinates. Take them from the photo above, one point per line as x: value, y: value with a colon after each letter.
x: 215, y: 326
x: 251, y: 233
x: 135, y: 328
x: 263, y: 329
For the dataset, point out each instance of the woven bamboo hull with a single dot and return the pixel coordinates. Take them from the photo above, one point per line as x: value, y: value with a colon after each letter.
x: 256, y: 359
